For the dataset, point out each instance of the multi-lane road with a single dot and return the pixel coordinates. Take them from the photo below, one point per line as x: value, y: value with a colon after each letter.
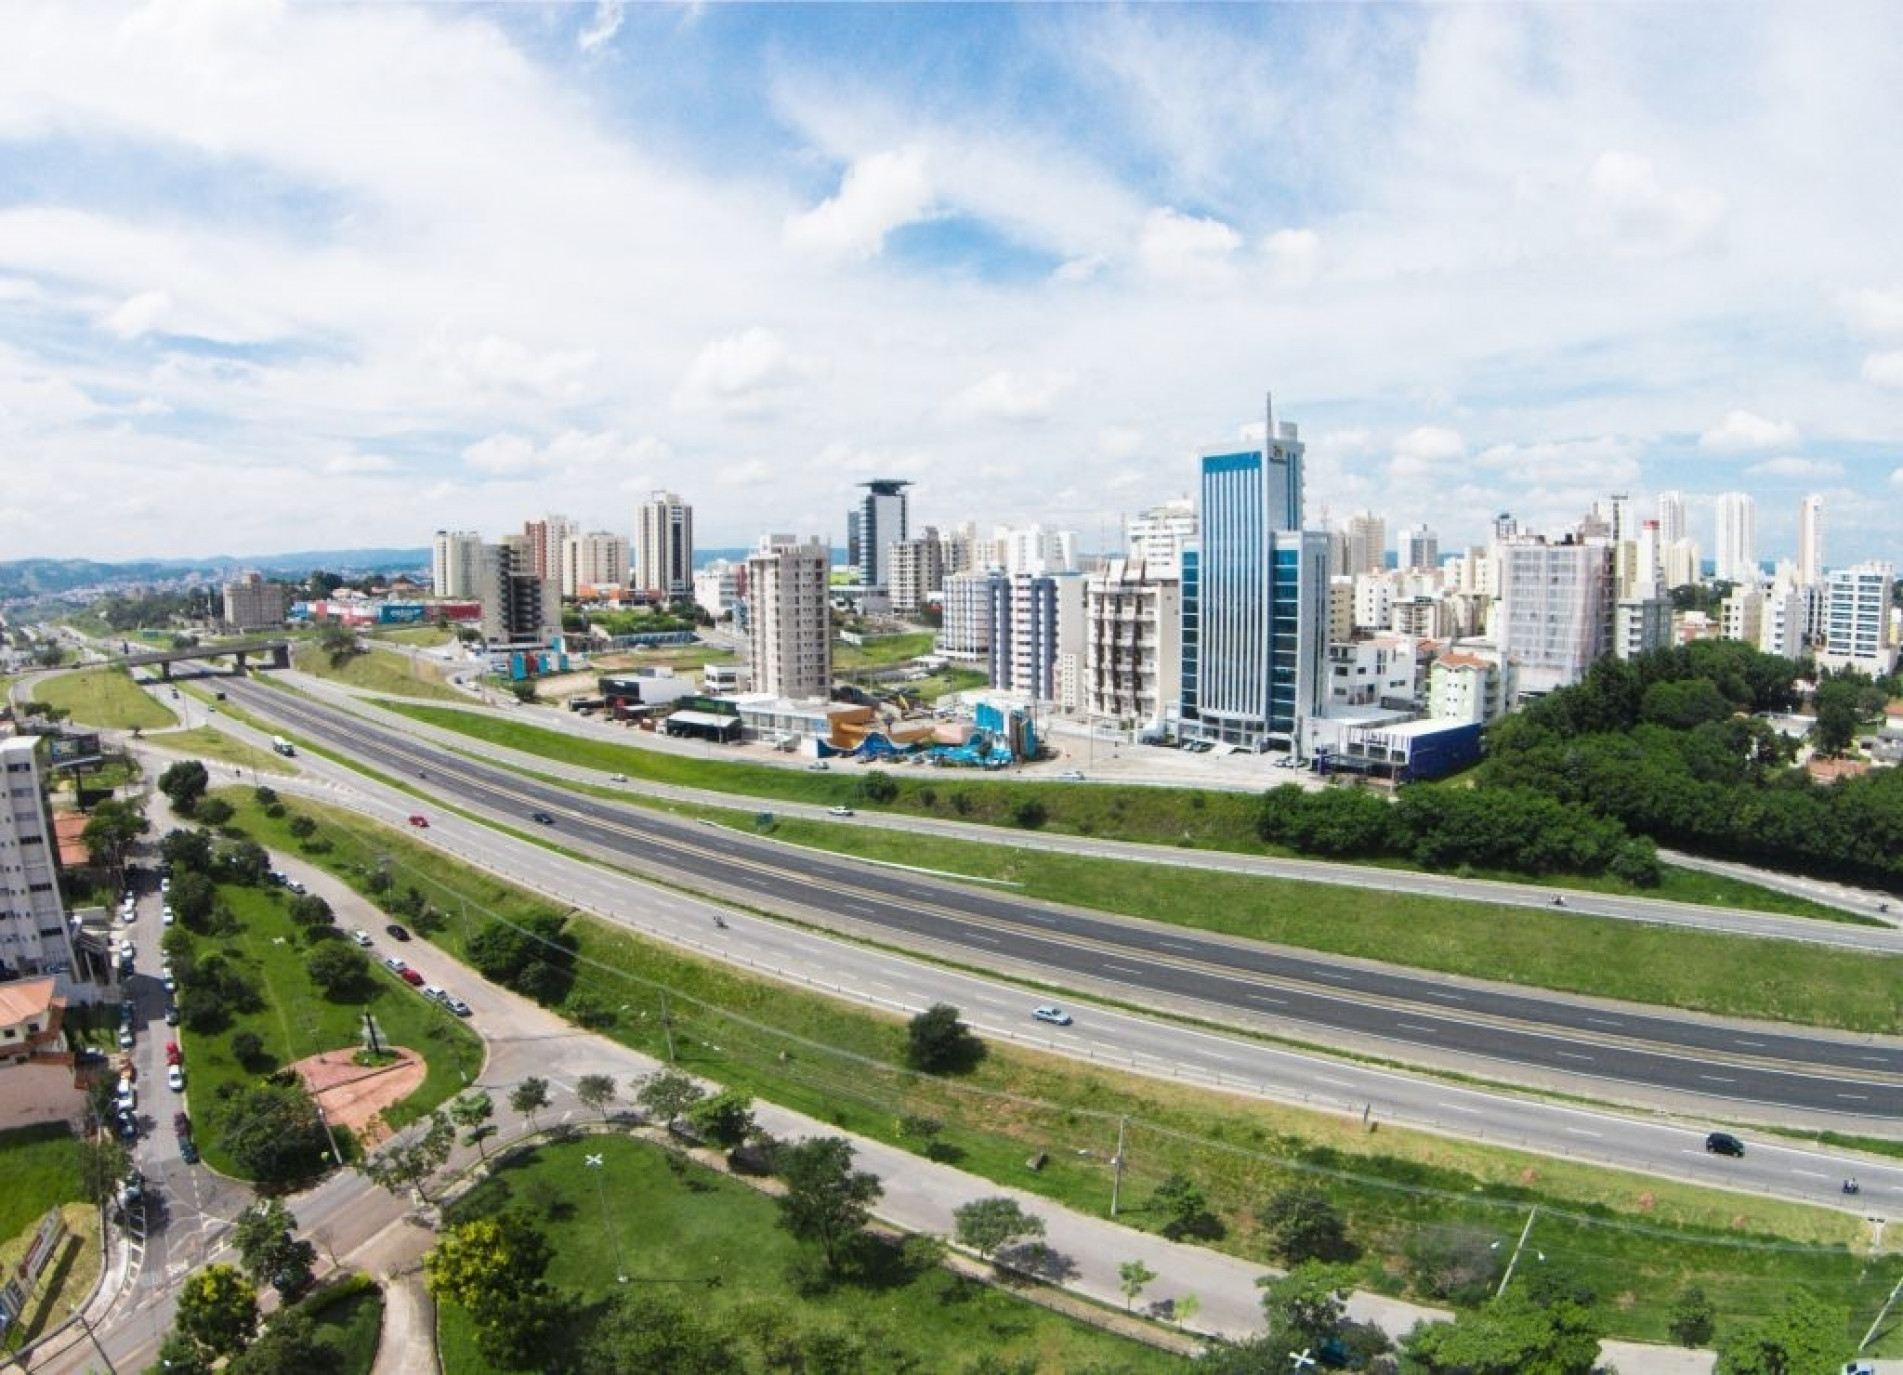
x: 1216, y: 978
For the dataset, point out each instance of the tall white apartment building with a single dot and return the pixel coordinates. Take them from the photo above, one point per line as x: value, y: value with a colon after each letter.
x: 1672, y: 527
x: 1155, y: 539
x: 596, y: 560
x: 1741, y: 616
x: 456, y: 563
x: 965, y: 628
x: 918, y: 572
x: 34, y: 935
x: 1784, y: 622
x: 1736, y: 545
x: 664, y: 547
x: 718, y: 586
x: 1033, y: 549
x: 788, y: 617
x: 1367, y: 544
x: 1681, y: 560
x: 517, y: 606
x: 1810, y: 541
x: 1374, y: 601
x: 1133, y: 642
x: 882, y: 520
x: 1555, y: 614
x: 545, y: 537
x: 1856, y: 627
x: 1032, y: 616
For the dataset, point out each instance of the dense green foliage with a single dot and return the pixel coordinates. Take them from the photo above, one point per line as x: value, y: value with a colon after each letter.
x: 1668, y: 746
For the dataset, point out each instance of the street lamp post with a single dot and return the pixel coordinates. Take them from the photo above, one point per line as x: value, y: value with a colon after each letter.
x: 601, y: 1192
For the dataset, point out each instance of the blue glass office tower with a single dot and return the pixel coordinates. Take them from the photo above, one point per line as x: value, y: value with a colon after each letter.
x: 1255, y: 600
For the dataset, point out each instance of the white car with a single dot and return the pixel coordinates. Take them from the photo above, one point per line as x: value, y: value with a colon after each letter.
x: 839, y: 811
x: 1072, y: 775
x: 361, y: 938
x: 1056, y: 1016
x: 126, y: 949
x: 175, y: 1077
x: 169, y: 917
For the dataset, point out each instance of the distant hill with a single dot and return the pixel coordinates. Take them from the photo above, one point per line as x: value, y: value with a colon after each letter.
x: 49, y: 577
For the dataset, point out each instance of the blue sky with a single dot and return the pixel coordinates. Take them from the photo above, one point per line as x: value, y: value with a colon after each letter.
x: 291, y: 276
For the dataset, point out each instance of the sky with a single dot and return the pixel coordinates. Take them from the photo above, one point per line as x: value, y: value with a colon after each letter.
x: 307, y: 276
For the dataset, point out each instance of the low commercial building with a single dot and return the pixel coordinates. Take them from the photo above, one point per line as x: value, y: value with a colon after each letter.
x: 31, y: 1013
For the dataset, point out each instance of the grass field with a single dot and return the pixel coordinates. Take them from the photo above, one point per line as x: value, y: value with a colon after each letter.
x: 103, y: 697
x: 883, y: 651
x: 353, y: 1325
x: 210, y: 743
x: 297, y: 1020
x: 422, y: 636
x: 41, y: 1167
x: 839, y: 1064
x: 65, y: 1282
x: 676, y: 1228
x: 1567, y: 952
x: 379, y: 670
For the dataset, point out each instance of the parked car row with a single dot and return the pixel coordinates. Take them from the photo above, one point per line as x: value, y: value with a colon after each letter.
x: 414, y: 978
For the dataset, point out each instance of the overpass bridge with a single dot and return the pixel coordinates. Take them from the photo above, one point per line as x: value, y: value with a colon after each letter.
x: 276, y: 653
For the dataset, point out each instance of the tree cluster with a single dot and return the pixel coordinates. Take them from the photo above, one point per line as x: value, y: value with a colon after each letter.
x: 493, y: 1267
x: 535, y: 957
x: 273, y: 1133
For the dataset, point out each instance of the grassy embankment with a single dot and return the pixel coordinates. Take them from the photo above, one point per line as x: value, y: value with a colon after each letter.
x: 379, y: 670
x: 297, y: 1019
x: 105, y: 698
x: 40, y: 1165
x: 1633, y: 1236
x: 676, y: 1227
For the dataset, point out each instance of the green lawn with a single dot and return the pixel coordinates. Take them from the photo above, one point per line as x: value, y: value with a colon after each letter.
x: 103, y: 697
x: 298, y: 1021
x: 674, y: 1230
x: 422, y: 636
x: 881, y: 651
x: 379, y: 670
x: 41, y: 1167
x: 354, y: 1325
x: 209, y: 743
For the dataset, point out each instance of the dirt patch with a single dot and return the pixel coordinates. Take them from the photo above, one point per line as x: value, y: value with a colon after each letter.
x: 352, y: 1094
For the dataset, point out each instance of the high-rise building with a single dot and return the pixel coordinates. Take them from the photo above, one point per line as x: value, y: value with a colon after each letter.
x: 594, y: 561
x: 1856, y: 628
x: 1255, y: 600
x: 1735, y: 550
x: 34, y: 935
x: 788, y: 617
x: 1420, y: 549
x: 1672, y: 519
x: 918, y: 572
x: 251, y: 603
x: 965, y: 628
x: 456, y: 563
x: 719, y: 585
x: 880, y: 522
x: 1132, y: 642
x: 1556, y: 610
x: 1810, y: 541
x: 1033, y: 549
x: 1154, y: 539
x: 545, y: 538
x: 1367, y: 544
x: 664, y: 547
x: 517, y: 607
x: 1024, y: 634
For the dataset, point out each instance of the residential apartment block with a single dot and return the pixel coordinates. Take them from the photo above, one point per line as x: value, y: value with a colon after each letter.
x: 34, y: 935
x: 789, y: 619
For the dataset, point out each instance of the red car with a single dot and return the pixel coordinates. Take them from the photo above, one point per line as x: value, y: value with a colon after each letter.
x: 172, y: 1053
x: 412, y: 978
x: 419, y: 820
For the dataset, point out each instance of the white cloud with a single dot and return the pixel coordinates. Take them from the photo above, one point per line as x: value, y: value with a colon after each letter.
x: 139, y: 315
x: 1875, y: 311
x: 602, y: 28
x: 1182, y: 248
x: 1793, y: 466
x: 1630, y: 206
x: 502, y: 455
x: 1884, y: 369
x: 496, y: 362
x: 1009, y: 395
x: 355, y: 464
x: 878, y: 194
x: 744, y: 375
x: 1080, y: 269
x: 1429, y: 445
x: 1741, y: 431
x: 1294, y: 256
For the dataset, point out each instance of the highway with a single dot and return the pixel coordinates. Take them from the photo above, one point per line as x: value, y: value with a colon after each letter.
x: 1217, y: 978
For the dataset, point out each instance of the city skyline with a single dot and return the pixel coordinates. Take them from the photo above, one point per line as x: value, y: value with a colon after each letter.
x: 336, y: 276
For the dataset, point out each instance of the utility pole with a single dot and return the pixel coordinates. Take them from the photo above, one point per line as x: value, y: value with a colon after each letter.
x: 1518, y: 1246
x: 667, y: 1027
x: 1116, y: 1166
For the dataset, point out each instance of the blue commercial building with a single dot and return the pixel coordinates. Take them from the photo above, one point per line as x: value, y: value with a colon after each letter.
x: 1255, y: 601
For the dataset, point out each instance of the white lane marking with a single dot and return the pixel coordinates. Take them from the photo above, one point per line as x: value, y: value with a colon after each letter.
x: 1415, y: 1026
x: 1581, y: 1131
x: 1574, y: 1055
x: 1716, y: 1079
x: 1265, y: 998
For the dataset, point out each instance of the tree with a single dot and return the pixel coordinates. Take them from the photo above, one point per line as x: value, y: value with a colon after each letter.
x: 1187, y: 1206
x: 725, y: 1118
x: 185, y: 852
x: 1308, y: 1305
x: 937, y: 1041
x: 340, y: 969
x: 310, y: 911
x: 103, y: 1164
x: 183, y: 784
x: 529, y: 1097
x: 1512, y: 1335
x: 273, y: 1133
x: 243, y: 861
x: 650, y: 1332
x: 1303, y: 1225
x: 596, y: 1091
x: 302, y: 827
x: 193, y: 898
x: 1805, y: 1335
x: 290, y: 1341
x: 1693, y: 1320
x: 409, y: 1163
x: 247, y: 1048
x: 213, y: 811
x: 493, y: 1267
x: 111, y: 830
x: 826, y: 1200
x: 667, y: 1094
x: 472, y: 1112
x: 1133, y: 1276
x: 989, y: 1224
x: 268, y: 1251
x: 218, y: 1309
